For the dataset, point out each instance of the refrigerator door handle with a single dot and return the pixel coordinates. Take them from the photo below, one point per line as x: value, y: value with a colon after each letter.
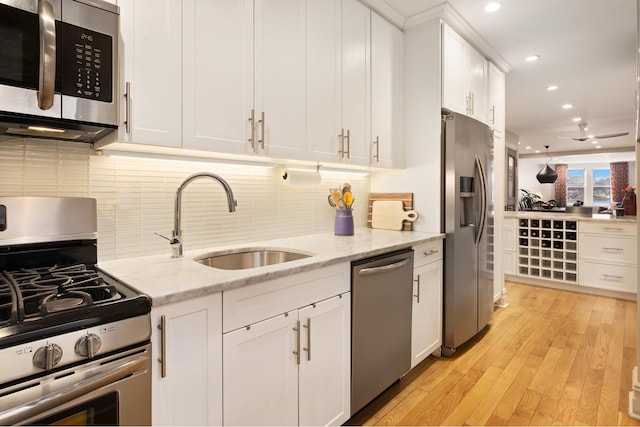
x: 483, y: 199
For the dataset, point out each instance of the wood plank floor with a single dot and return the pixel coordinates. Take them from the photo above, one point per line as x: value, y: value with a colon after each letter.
x: 551, y: 358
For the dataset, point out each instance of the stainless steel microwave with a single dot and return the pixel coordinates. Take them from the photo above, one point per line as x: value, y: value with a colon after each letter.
x: 58, y: 68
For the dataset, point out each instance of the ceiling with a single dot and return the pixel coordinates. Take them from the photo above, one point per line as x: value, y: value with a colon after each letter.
x: 586, y: 47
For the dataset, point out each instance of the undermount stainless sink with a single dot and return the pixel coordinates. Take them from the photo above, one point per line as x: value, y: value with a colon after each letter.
x: 249, y: 258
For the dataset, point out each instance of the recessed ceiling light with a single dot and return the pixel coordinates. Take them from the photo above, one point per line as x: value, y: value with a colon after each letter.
x: 552, y: 87
x: 597, y: 146
x: 492, y: 7
x: 577, y: 119
x: 532, y: 58
x: 527, y: 147
x: 567, y: 106
x: 537, y: 151
x: 594, y: 141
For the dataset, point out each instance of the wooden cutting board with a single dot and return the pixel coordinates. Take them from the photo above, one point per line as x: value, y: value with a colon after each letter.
x: 405, y: 198
x: 390, y: 215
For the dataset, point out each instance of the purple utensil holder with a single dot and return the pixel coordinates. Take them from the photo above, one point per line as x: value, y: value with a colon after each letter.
x: 344, y: 222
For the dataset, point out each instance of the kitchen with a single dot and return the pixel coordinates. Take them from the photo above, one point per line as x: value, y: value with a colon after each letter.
x: 135, y: 192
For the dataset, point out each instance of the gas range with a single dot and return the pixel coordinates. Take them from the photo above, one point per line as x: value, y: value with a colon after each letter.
x: 60, y: 316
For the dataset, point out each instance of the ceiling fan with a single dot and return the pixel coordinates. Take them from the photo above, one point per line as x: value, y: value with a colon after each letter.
x: 584, y: 137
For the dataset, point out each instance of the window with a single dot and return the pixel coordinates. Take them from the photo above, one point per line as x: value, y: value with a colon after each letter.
x: 575, y: 186
x: 590, y: 185
x: 601, y: 187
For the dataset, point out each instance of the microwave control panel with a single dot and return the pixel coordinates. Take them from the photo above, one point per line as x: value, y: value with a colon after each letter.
x: 87, y: 64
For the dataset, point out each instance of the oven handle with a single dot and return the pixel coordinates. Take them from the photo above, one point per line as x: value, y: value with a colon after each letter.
x: 47, y: 77
x: 67, y: 394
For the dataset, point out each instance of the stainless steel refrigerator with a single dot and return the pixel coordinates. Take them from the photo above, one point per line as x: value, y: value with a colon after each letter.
x: 467, y: 201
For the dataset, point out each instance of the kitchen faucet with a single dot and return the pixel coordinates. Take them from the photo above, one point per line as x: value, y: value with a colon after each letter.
x: 176, y: 239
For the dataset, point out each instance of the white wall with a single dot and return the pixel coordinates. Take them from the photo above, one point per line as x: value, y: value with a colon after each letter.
x: 136, y: 197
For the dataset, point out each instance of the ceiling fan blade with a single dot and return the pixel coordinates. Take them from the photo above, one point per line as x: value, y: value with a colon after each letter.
x: 573, y: 138
x: 611, y: 135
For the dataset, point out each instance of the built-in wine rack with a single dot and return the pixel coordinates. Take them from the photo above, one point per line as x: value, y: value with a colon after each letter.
x: 548, y: 249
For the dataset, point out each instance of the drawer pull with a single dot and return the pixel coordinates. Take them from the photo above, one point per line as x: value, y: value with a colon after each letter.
x: 613, y: 228
x: 612, y: 276
x: 431, y: 252
x: 613, y: 249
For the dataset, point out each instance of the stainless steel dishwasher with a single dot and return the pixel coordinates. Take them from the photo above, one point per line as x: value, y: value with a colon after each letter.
x: 381, y: 291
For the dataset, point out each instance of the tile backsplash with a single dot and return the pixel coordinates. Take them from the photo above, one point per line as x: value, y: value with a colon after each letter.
x: 136, y: 197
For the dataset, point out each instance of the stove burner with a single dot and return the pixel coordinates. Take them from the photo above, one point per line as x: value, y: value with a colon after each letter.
x: 40, y: 292
x: 64, y: 301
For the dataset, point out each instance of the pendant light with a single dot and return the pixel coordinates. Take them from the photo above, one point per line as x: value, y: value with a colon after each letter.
x: 546, y: 174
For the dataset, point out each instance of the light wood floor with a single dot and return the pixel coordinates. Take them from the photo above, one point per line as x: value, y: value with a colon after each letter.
x: 551, y: 358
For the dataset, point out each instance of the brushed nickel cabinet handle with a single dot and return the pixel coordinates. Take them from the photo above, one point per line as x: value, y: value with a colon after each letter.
x: 377, y: 156
x: 127, y: 107
x: 252, y: 130
x: 163, y: 346
x: 341, y: 143
x: 308, y: 348
x: 417, y: 295
x: 297, y: 350
x: 612, y: 276
x: 348, y: 139
x: 262, y: 136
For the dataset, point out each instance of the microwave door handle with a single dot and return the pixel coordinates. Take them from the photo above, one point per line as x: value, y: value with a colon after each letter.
x: 47, y: 74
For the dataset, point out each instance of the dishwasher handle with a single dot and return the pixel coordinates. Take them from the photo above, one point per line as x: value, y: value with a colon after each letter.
x: 383, y: 269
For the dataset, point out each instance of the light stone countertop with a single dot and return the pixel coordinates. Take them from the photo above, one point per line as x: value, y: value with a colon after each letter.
x: 167, y: 280
x: 568, y: 216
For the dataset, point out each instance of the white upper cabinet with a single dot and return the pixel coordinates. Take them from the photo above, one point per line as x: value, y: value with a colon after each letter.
x: 464, y: 76
x: 387, y: 93
x: 151, y: 70
x: 497, y: 98
x: 354, y: 134
x: 323, y: 96
x: 218, y: 74
x: 279, y: 50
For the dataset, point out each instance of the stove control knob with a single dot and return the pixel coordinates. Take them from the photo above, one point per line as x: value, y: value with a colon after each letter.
x: 88, y: 345
x: 48, y: 356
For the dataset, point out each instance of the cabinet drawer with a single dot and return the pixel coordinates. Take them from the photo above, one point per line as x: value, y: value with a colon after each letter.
x: 605, y: 248
x: 425, y: 253
x: 253, y: 303
x: 612, y: 228
x: 608, y: 276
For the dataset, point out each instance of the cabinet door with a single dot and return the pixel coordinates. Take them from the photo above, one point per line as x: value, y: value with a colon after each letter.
x: 324, y: 378
x: 260, y: 373
x: 190, y: 392
x: 476, y: 69
x: 323, y: 96
x: 426, y: 330
x: 356, y: 75
x: 152, y: 66
x: 387, y: 93
x: 497, y: 98
x: 279, y: 45
x: 218, y: 74
x: 454, y: 88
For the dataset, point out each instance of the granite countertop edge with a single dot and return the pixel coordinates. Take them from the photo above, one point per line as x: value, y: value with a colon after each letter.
x: 168, y: 280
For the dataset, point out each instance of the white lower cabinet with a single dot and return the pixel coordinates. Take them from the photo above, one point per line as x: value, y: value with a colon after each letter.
x: 287, y: 348
x: 292, y: 369
x: 186, y: 384
x: 426, y: 327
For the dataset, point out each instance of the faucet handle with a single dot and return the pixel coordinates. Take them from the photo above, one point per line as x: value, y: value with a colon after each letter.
x: 164, y: 237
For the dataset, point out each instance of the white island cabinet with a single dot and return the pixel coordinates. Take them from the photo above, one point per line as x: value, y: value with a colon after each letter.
x: 187, y: 345
x: 426, y: 323
x: 287, y: 350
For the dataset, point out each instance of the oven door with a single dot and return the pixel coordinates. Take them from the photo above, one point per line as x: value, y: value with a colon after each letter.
x: 115, y: 390
x: 28, y: 56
